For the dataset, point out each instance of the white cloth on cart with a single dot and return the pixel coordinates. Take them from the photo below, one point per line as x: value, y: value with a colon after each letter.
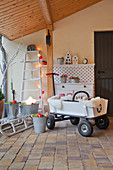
x: 94, y: 102
x: 56, y: 101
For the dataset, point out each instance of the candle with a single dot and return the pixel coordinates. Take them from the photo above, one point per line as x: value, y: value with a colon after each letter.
x: 11, y: 84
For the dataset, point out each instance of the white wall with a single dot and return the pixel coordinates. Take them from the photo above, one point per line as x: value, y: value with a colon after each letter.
x: 15, y: 71
x: 74, y: 33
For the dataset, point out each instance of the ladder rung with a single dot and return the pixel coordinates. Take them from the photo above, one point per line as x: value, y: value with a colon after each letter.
x: 31, y: 90
x: 37, y: 100
x: 32, y: 70
x: 35, y: 51
x: 31, y: 61
x: 31, y: 79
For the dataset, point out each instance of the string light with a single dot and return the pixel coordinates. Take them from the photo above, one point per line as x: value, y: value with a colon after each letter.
x: 42, y: 76
x: 40, y: 65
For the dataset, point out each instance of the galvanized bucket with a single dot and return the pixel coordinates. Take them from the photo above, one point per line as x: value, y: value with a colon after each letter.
x: 60, y: 60
x: 27, y: 110
x: 63, y: 79
x: 39, y: 124
x: 74, y: 80
x: 12, y: 110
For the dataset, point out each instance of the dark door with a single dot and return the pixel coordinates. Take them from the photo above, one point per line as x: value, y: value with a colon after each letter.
x: 103, y: 45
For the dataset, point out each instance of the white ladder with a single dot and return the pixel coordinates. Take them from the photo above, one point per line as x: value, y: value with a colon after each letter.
x: 32, y: 79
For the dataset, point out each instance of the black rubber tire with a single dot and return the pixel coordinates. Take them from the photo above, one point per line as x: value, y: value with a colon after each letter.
x: 102, y: 122
x: 74, y: 120
x: 85, y: 128
x: 50, y: 122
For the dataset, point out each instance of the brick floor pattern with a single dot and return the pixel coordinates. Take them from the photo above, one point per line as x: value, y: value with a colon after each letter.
x: 60, y: 149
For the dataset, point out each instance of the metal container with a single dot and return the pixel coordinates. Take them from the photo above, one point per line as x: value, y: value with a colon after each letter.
x: 60, y: 60
x: 12, y: 110
x: 74, y: 80
x: 27, y: 110
x: 39, y: 124
x: 63, y: 79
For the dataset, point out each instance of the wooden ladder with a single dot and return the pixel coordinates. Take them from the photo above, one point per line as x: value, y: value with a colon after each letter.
x: 37, y: 61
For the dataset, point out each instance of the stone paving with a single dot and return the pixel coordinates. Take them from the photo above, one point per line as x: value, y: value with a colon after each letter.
x: 60, y: 149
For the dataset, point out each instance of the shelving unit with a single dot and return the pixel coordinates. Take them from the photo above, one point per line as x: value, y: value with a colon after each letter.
x: 85, y: 72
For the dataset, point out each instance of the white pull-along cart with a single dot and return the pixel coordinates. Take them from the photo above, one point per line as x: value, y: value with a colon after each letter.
x: 64, y: 108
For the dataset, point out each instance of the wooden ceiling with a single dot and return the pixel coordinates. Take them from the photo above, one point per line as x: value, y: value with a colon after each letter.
x: 23, y: 17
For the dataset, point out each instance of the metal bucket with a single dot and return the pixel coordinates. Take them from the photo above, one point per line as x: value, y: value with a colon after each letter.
x: 60, y: 60
x: 63, y: 79
x: 74, y: 80
x: 12, y: 110
x: 39, y: 124
x: 27, y: 110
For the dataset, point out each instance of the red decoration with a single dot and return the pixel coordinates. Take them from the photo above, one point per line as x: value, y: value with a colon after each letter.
x: 39, y: 97
x: 40, y: 57
x: 14, y: 101
x: 42, y: 92
x: 39, y: 115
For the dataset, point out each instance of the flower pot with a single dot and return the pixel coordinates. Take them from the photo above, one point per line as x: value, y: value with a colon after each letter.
x: 27, y: 110
x: 74, y: 80
x: 12, y: 110
x: 63, y: 79
x: 39, y: 124
x: 60, y: 60
x: 1, y: 108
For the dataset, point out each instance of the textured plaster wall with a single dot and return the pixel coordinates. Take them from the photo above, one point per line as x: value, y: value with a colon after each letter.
x: 15, y: 71
x: 74, y: 33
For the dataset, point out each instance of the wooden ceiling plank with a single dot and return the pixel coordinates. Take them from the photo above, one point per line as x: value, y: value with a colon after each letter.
x: 19, y: 17
x: 22, y: 26
x: 18, y: 11
x: 26, y: 25
x: 21, y: 21
x: 13, y: 4
x: 46, y: 11
x: 61, y: 9
x: 12, y: 36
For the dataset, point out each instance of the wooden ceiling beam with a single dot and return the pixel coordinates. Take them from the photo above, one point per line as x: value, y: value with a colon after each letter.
x: 46, y: 11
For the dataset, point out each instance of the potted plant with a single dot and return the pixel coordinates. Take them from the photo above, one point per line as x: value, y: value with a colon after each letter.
x: 63, y: 78
x: 60, y: 60
x: 74, y: 79
x: 1, y: 103
x: 39, y: 122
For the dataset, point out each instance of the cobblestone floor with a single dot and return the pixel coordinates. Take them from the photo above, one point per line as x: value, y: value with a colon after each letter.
x: 60, y: 149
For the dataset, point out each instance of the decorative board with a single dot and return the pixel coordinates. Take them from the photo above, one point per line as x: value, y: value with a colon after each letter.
x: 85, y: 72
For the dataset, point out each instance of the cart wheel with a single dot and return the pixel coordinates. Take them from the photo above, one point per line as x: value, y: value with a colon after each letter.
x: 50, y: 122
x: 85, y: 128
x: 74, y: 120
x: 102, y: 122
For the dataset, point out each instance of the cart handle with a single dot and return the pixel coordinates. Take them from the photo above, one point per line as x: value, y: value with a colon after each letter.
x: 52, y: 74
x: 80, y: 92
